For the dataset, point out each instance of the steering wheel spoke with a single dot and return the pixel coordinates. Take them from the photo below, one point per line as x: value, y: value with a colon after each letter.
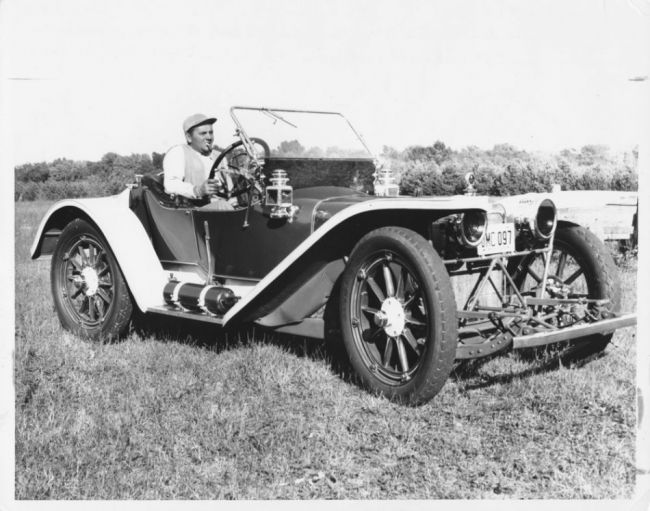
x: 237, y: 151
x: 246, y: 170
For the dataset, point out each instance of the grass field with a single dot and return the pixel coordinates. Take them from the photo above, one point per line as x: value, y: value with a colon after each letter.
x: 178, y: 412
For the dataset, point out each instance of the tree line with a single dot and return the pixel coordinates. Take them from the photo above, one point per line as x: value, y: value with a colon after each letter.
x: 436, y: 169
x: 64, y: 178
x: 506, y: 170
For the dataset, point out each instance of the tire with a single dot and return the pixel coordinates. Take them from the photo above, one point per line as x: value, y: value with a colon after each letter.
x: 591, y: 271
x: 401, y: 336
x: 90, y: 295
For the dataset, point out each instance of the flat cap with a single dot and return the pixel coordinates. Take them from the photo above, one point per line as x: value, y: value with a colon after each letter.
x: 197, y: 120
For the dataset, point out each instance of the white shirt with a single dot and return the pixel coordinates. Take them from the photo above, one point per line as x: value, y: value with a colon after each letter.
x: 174, y: 168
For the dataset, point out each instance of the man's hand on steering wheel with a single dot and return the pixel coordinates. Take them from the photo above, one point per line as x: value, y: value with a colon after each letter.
x: 207, y: 188
x: 243, y: 184
x: 231, y: 185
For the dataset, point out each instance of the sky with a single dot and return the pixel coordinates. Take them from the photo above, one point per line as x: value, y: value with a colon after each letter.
x: 80, y: 79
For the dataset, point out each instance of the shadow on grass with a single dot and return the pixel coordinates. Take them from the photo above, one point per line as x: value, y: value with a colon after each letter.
x: 217, y: 339
x: 332, y: 351
x: 540, y: 361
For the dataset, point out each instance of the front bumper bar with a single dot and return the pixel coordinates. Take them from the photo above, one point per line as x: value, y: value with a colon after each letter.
x: 604, y: 326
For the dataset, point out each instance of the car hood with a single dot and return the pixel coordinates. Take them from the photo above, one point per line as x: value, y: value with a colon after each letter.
x: 323, y: 202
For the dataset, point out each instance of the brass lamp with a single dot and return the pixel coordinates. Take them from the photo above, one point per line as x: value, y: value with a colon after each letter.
x: 279, y: 195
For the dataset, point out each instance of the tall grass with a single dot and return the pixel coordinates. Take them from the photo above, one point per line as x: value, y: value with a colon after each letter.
x: 176, y: 411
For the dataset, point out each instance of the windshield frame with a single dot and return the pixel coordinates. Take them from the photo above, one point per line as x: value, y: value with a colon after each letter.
x: 275, y: 112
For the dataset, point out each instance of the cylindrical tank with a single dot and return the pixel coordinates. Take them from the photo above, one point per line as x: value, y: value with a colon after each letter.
x: 198, y: 297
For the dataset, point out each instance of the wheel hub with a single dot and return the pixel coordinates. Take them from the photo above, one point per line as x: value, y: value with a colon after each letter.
x: 90, y: 280
x: 557, y: 287
x: 381, y: 319
x: 391, y: 317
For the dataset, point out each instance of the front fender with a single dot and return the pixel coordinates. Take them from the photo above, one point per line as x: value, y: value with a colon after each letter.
x: 125, y: 235
x: 314, y: 255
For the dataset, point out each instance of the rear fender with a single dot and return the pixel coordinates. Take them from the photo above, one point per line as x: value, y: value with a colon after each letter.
x: 125, y: 235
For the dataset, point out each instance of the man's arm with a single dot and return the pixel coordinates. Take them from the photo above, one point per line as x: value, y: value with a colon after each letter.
x: 174, y: 167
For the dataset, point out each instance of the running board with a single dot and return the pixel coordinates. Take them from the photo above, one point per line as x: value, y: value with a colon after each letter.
x: 604, y: 326
x: 196, y: 316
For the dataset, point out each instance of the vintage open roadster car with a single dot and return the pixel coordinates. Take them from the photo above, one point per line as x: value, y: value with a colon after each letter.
x: 414, y: 284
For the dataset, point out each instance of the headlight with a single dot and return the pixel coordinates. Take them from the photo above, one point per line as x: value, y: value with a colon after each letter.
x: 470, y: 227
x: 532, y: 215
x: 545, y: 219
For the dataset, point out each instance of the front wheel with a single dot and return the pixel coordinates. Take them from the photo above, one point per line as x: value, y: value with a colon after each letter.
x: 90, y: 295
x: 398, y: 315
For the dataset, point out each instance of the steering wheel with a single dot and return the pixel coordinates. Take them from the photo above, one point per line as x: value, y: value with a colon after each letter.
x: 244, y: 177
x: 239, y: 160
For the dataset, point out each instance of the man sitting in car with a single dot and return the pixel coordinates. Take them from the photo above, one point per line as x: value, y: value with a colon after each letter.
x: 187, y: 166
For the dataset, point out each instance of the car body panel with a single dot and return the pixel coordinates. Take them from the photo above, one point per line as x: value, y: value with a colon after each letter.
x: 251, y: 252
x: 172, y: 232
x: 394, y: 205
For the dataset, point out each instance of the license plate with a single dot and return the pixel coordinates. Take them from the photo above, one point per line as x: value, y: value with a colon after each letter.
x: 498, y: 238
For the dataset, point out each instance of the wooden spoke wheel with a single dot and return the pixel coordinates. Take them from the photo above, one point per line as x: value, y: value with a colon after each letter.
x: 90, y: 294
x: 398, y: 315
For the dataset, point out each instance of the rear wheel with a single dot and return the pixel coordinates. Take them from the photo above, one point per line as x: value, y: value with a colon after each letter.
x: 90, y: 295
x: 398, y: 315
x: 580, y: 267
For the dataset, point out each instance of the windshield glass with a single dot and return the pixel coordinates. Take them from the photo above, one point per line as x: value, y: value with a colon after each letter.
x: 300, y: 134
